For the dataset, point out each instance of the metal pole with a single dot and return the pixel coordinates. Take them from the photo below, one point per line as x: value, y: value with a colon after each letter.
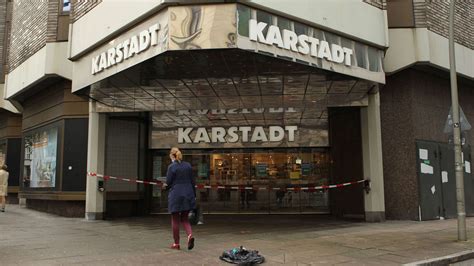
x: 458, y: 163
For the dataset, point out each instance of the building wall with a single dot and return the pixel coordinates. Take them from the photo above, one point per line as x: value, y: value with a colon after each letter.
x: 32, y: 26
x: 3, y: 36
x: 431, y: 102
x: 382, y: 4
x: 398, y: 147
x: 434, y: 15
x: 414, y: 106
x: 28, y: 32
x: 80, y: 7
x: 10, y: 125
x: 52, y: 22
x: 51, y: 104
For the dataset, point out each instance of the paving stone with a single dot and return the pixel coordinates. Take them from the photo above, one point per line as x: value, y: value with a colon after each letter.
x: 28, y: 237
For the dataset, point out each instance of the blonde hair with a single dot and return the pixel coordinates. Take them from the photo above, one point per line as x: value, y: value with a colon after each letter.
x: 176, y: 153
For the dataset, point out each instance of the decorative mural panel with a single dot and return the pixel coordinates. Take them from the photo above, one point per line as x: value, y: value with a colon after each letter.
x: 201, y: 27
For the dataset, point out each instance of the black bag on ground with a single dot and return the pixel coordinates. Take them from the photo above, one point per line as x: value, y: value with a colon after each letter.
x: 193, y: 217
x: 242, y: 256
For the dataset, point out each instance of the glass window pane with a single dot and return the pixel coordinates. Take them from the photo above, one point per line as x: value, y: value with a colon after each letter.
x: 244, y: 17
x: 267, y: 180
x: 374, y: 62
x: 263, y: 16
x: 360, y: 52
x: 66, y: 5
x: 39, y: 166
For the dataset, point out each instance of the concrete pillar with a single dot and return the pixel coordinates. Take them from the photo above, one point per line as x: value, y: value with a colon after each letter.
x: 95, y: 200
x: 374, y: 201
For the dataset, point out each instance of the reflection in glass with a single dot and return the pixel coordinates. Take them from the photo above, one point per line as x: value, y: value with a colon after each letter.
x: 374, y: 63
x: 39, y: 167
x: 244, y: 16
x: 263, y: 16
x: 360, y: 52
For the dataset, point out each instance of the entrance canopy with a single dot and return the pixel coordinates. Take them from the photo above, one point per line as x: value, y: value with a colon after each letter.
x: 226, y: 88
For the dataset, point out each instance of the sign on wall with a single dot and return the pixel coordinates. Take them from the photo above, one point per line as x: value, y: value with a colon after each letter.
x: 235, y: 128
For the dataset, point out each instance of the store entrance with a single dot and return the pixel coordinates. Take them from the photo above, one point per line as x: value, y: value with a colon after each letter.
x: 252, y: 180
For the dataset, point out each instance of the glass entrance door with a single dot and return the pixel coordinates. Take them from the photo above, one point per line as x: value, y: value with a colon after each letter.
x: 253, y: 181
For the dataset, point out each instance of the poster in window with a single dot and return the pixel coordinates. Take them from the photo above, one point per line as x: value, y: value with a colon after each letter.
x: 261, y: 169
x: 203, y: 170
x: 305, y: 169
x: 40, y: 158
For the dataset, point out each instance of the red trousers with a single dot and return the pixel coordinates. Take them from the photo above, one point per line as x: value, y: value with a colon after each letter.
x: 176, y: 219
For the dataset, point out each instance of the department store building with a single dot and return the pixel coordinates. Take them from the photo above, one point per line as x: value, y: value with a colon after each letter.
x: 253, y: 97
x: 276, y: 97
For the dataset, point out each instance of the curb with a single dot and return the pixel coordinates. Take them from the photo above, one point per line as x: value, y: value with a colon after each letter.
x: 446, y: 260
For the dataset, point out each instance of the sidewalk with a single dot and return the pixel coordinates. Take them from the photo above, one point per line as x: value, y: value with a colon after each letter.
x: 32, y: 238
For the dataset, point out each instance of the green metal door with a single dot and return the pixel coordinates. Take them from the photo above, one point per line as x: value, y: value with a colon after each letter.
x: 429, y: 180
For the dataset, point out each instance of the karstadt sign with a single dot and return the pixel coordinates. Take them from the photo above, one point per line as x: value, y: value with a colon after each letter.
x: 126, y: 49
x: 302, y: 44
x: 241, y: 134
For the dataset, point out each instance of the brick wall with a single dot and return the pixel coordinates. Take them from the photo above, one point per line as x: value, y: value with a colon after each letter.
x: 28, y: 30
x: 434, y: 15
x: 33, y: 24
x: 3, y: 37
x: 377, y: 3
x: 419, y: 10
x: 52, y: 25
x: 80, y: 7
x: 8, y: 28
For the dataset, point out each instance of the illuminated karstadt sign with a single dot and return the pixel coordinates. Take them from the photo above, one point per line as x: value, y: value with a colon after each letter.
x: 302, y: 43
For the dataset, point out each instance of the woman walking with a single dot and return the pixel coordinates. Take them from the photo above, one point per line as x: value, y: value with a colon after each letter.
x: 181, y: 196
x: 3, y: 186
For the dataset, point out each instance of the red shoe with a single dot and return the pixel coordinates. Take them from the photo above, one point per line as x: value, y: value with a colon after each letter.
x: 175, y: 246
x: 190, y: 242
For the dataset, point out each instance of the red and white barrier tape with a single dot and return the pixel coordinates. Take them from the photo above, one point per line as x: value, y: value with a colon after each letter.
x: 216, y: 187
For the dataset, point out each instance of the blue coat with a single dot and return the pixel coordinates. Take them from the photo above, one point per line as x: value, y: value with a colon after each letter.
x: 181, y: 185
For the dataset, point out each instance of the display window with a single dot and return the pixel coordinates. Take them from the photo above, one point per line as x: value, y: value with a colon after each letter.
x: 40, y: 158
x: 270, y: 172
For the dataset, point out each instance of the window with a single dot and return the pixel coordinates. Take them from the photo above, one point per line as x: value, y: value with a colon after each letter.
x: 66, y: 5
x: 39, y: 164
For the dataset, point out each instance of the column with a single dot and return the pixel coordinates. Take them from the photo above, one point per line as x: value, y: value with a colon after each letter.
x: 95, y: 200
x: 374, y: 201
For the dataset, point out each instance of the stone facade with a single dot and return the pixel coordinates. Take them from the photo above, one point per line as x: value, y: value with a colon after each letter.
x: 414, y: 106
x: 80, y: 7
